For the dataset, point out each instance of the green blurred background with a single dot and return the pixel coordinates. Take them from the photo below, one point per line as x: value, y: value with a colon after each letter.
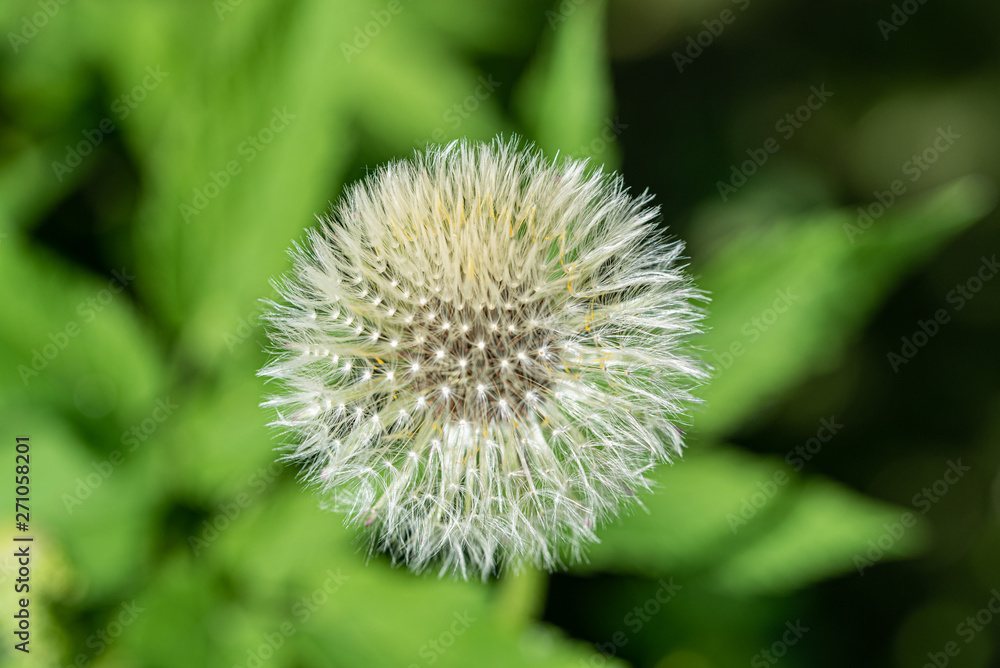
x: 157, y: 158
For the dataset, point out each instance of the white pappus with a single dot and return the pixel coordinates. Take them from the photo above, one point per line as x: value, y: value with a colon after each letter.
x: 481, y: 354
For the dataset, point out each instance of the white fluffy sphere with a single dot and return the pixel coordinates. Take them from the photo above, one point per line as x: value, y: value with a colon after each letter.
x: 482, y: 353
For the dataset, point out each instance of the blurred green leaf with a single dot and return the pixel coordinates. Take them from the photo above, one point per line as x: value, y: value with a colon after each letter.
x: 183, y: 602
x: 684, y: 521
x: 370, y: 613
x: 748, y: 525
x: 97, y: 508
x: 71, y: 327
x: 216, y: 445
x: 827, y: 530
x: 231, y: 191
x: 443, y: 99
x: 566, y: 95
x: 786, y: 301
x: 493, y: 26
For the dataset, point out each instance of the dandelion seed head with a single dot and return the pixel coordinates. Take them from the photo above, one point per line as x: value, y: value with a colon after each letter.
x: 540, y: 325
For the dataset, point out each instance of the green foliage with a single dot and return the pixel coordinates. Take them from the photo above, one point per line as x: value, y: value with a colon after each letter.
x: 565, y: 97
x: 788, y: 299
x: 271, y: 107
x: 748, y: 526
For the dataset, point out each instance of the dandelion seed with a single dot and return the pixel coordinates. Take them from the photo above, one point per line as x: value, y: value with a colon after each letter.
x: 537, y: 415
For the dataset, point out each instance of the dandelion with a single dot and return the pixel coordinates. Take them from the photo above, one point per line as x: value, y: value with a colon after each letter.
x: 482, y: 354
